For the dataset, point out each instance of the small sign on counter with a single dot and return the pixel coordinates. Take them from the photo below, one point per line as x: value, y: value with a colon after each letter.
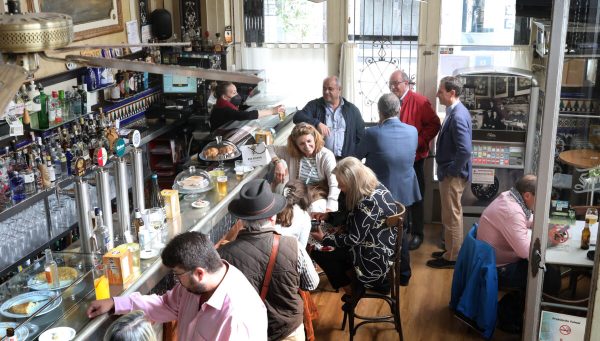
x: 483, y: 176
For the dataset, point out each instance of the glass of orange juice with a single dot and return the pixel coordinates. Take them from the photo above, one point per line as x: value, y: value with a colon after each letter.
x: 101, y: 287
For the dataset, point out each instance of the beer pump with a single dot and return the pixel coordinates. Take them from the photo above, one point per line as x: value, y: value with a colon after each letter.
x: 83, y: 206
x: 138, y: 171
x: 103, y: 190
x: 121, y: 178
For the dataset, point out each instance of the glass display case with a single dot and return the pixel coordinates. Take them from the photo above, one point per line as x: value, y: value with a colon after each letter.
x: 30, y: 304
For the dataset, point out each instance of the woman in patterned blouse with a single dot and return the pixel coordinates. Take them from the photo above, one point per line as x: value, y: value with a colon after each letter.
x: 364, y: 247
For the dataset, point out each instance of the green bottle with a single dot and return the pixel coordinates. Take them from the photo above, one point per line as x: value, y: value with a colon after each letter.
x: 43, y: 122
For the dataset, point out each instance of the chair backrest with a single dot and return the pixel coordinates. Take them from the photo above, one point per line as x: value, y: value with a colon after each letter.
x: 396, y: 220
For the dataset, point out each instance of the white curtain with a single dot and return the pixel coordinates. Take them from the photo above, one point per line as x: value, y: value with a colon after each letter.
x: 347, y: 70
x: 294, y: 71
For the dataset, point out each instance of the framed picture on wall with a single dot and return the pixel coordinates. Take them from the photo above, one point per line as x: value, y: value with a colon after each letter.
x: 500, y: 87
x: 95, y: 18
x: 522, y: 85
x: 482, y: 86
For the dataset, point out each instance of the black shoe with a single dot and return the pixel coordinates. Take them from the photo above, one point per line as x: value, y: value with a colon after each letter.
x: 438, y: 254
x: 440, y: 263
x: 415, y: 243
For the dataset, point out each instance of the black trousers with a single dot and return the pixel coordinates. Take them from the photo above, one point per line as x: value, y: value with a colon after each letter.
x: 338, y: 267
x: 417, y: 211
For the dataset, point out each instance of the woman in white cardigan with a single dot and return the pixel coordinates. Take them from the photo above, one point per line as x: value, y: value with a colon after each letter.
x: 305, y: 158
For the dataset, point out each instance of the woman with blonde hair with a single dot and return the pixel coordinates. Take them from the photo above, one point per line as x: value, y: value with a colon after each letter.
x: 130, y: 327
x: 306, y: 159
x: 364, y: 247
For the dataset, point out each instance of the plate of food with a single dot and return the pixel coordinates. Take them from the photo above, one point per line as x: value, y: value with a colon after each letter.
x: 194, y: 182
x: 219, y: 152
x: 21, y: 332
x: 25, y: 305
x: 58, y: 333
x: 66, y: 276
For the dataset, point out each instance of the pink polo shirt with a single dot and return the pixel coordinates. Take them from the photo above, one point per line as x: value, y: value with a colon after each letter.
x: 233, y: 312
x: 504, y: 226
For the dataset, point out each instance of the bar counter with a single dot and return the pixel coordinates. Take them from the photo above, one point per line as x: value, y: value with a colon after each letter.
x: 215, y: 222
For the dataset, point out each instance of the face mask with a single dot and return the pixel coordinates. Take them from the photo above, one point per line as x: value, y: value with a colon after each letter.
x: 236, y: 100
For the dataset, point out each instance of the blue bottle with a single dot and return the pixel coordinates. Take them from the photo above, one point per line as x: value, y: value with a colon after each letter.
x: 17, y: 186
x: 69, y: 156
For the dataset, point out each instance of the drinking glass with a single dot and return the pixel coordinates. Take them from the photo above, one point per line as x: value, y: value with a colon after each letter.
x: 101, y: 287
x: 591, y: 216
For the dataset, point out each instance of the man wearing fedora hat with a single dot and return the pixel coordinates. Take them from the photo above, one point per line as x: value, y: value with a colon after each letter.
x: 256, y: 206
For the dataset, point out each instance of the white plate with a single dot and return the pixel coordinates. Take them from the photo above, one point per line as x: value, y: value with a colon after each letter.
x: 195, y: 205
x: 34, y: 284
x: 21, y: 333
x: 59, y: 333
x: 29, y: 297
x: 148, y: 254
x: 245, y: 169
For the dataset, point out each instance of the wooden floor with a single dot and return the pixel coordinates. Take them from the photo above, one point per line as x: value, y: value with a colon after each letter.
x: 424, y: 306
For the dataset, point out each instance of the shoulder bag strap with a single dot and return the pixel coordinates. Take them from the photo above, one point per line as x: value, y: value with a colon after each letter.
x: 267, y: 280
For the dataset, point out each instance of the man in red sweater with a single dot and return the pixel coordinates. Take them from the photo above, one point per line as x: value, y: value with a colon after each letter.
x: 417, y: 111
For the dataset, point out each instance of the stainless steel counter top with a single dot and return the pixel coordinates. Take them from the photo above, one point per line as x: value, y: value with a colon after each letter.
x: 152, y: 270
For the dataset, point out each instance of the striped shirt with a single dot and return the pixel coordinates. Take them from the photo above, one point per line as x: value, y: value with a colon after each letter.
x: 308, y: 173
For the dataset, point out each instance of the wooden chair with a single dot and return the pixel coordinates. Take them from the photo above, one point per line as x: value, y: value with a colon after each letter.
x: 393, y: 297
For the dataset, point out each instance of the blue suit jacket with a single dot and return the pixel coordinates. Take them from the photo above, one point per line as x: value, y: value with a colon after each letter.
x: 453, y: 148
x: 475, y: 284
x: 390, y: 152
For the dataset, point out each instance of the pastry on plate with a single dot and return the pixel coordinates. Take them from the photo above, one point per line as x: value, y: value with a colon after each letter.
x: 226, y: 150
x: 26, y: 308
x: 211, y: 152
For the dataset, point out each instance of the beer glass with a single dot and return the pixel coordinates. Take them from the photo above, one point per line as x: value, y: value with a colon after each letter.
x: 222, y: 185
x: 591, y: 216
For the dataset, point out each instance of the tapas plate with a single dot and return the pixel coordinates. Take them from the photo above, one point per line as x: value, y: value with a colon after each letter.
x: 39, y: 298
x: 67, y: 275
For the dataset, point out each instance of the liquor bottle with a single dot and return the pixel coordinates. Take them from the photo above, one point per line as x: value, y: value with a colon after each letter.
x: 218, y: 43
x: 102, y: 233
x: 585, y: 236
x: 32, y: 105
x: 29, y: 181
x: 51, y: 171
x: 51, y: 270
x: 64, y: 105
x: 17, y: 187
x: 53, y: 108
x: 26, y: 121
x: 156, y: 200
x: 37, y: 172
x: 138, y: 222
x: 82, y: 89
x: 43, y: 120
x: 75, y: 102
x: 69, y: 157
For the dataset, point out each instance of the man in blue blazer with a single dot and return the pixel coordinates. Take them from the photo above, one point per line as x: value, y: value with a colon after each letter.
x: 453, y: 158
x: 389, y: 149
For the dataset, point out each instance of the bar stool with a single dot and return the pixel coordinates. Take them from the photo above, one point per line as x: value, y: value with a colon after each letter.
x: 393, y: 297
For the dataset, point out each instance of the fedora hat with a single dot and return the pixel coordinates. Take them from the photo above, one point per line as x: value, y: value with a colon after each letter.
x: 256, y: 201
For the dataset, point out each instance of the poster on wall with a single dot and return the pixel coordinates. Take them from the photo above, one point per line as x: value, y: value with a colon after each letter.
x: 555, y: 326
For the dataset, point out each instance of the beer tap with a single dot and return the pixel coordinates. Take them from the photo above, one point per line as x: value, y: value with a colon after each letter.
x: 83, y: 206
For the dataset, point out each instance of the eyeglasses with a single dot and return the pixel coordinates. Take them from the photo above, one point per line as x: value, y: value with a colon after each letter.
x: 177, y: 276
x: 396, y: 83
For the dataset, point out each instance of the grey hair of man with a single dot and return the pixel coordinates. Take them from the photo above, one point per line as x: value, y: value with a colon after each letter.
x: 452, y: 83
x: 338, y: 82
x: 131, y: 327
x: 388, y: 106
x: 256, y: 225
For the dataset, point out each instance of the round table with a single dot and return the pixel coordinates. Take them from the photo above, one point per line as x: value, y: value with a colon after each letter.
x: 581, y: 158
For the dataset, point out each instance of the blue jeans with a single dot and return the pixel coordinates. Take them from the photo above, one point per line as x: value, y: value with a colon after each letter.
x: 514, y: 276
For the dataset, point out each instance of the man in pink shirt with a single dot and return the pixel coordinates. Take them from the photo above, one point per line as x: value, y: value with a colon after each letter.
x: 213, y: 300
x: 505, y: 224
